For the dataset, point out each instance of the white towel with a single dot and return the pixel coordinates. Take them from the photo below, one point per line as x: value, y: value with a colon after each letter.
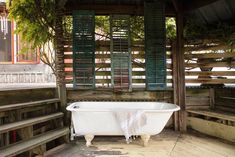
x: 131, y: 121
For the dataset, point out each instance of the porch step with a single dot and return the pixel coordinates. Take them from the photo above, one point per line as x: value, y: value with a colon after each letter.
x: 29, y: 122
x: 28, y: 104
x: 33, y: 142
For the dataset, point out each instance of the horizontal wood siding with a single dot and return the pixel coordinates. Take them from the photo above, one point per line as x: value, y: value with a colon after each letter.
x: 197, y: 98
x: 108, y: 95
x: 225, y: 99
x: 26, y: 95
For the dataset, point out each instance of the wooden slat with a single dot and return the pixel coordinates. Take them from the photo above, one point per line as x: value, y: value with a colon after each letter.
x: 210, y: 81
x: 210, y: 73
x: 107, y: 94
x: 32, y: 143
x: 212, y: 128
x: 29, y: 122
x: 187, y: 65
x: 210, y: 65
x: 196, y: 101
x: 108, y: 73
x: 210, y: 55
x: 107, y: 56
x: 69, y: 80
x: 141, y: 56
x: 28, y: 104
x: 207, y: 47
x: 107, y: 65
x: 214, y: 114
x: 204, y: 80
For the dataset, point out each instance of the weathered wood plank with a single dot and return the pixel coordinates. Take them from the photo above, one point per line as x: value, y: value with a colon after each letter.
x: 187, y: 73
x: 28, y: 104
x: 74, y: 95
x: 28, y: 122
x: 196, y: 101
x: 215, y: 114
x: 212, y: 128
x: 210, y: 55
x: 33, y: 142
x: 197, y: 92
x: 141, y: 56
x: 108, y: 73
x: 226, y: 102
x: 25, y: 95
x: 187, y: 65
x: 210, y: 73
x: 201, y: 80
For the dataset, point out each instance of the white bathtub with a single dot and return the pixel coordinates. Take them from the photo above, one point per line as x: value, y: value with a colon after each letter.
x: 97, y: 118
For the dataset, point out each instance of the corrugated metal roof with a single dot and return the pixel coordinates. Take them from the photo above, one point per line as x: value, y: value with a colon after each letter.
x: 222, y: 10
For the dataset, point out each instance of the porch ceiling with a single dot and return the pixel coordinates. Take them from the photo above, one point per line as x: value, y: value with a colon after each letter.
x: 222, y: 10
x: 135, y: 7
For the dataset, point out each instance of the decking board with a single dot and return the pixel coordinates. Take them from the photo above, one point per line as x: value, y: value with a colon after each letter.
x: 32, y: 143
x: 29, y: 122
x: 28, y: 104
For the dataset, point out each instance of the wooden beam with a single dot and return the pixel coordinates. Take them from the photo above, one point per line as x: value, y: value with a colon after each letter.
x: 107, y: 9
x: 175, y: 83
x: 211, y: 55
x: 180, y: 68
x: 195, y: 4
x: 59, y: 63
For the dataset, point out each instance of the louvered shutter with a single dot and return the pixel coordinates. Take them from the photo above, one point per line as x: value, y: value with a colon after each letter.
x: 120, y: 52
x: 83, y: 49
x: 155, y: 52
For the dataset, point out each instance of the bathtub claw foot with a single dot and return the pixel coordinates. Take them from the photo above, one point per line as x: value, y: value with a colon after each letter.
x: 88, y: 139
x: 145, y: 139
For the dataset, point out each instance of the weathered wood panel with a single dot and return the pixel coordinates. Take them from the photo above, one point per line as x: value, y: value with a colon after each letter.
x: 225, y: 99
x: 109, y: 95
x: 26, y: 95
x: 197, y: 98
x: 212, y: 128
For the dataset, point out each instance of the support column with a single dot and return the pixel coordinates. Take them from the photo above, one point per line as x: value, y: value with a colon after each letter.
x: 179, y: 69
x: 59, y: 61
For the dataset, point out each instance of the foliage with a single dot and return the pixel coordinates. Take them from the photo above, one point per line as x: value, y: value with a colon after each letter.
x: 136, y: 27
x: 222, y: 32
x: 170, y: 28
x: 35, y: 21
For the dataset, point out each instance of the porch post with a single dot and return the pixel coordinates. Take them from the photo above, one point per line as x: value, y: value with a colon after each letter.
x: 179, y: 69
x: 59, y: 57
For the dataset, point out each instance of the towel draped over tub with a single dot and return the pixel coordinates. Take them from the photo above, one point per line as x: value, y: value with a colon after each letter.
x: 130, y: 121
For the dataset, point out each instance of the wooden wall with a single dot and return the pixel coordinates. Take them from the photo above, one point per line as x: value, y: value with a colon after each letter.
x: 225, y: 99
x: 109, y: 95
x: 198, y: 98
x: 196, y: 56
x: 26, y: 95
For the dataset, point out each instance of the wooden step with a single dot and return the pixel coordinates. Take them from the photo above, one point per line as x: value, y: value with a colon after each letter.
x: 28, y: 104
x: 33, y: 142
x: 214, y: 114
x: 29, y: 122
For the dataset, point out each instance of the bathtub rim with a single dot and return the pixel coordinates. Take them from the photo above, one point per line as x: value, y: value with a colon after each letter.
x: 70, y: 108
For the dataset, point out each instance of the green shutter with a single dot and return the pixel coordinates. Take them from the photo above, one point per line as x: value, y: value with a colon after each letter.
x: 155, y: 52
x: 83, y: 49
x: 120, y: 52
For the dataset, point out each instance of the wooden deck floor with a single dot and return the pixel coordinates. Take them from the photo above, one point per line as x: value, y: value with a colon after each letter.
x: 166, y: 144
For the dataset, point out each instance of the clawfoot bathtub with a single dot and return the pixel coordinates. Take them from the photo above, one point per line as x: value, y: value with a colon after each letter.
x: 97, y: 118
